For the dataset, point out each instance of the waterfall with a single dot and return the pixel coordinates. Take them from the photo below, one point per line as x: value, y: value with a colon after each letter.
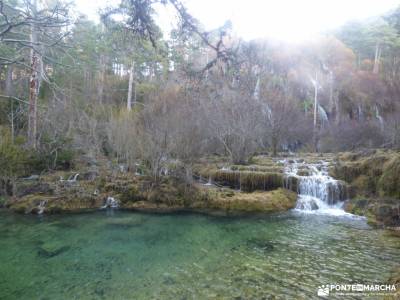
x: 41, y: 207
x: 256, y: 93
x: 266, y: 109
x: 360, y: 113
x: 379, y: 117
x: 71, y: 178
x: 323, y: 115
x: 209, y: 181
x: 111, y: 203
x: 317, y: 191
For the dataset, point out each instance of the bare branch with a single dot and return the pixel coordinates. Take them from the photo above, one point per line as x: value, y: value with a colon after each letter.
x: 19, y: 100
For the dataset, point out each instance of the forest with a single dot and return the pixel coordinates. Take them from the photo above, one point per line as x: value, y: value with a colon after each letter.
x: 115, y: 112
x: 71, y: 87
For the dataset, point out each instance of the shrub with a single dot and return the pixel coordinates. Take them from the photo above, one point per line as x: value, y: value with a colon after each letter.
x: 52, y: 154
x: 12, y: 159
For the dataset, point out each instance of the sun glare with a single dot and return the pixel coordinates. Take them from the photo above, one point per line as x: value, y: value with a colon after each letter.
x: 287, y: 20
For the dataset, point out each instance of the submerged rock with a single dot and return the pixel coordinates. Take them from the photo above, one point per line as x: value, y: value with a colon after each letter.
x: 306, y: 203
x: 49, y: 250
x: 168, y: 279
x: 125, y: 224
x: 260, y: 244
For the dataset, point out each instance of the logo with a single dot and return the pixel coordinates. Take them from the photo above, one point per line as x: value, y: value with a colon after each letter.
x: 356, y: 289
x: 323, y: 290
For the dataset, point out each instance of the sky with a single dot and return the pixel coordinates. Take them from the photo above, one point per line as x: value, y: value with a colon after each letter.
x: 286, y: 20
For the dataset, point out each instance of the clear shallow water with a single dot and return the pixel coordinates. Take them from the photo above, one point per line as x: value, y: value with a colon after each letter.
x: 121, y: 255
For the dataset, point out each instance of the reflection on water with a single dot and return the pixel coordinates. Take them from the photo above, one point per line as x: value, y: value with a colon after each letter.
x: 184, y: 256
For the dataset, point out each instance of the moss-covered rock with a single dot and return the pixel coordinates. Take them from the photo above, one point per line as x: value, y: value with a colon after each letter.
x: 38, y: 203
x: 374, y: 177
x: 291, y: 183
x: 252, y: 181
x: 247, y: 181
x: 167, y: 193
x: 27, y: 204
x: 256, y: 202
x: 375, y: 174
x: 264, y: 160
x: 52, y: 193
x: 357, y: 206
x: 389, y: 182
x: 26, y: 187
x: 257, y: 168
x: 379, y: 211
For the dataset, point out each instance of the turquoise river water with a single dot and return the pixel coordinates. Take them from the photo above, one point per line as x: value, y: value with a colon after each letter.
x: 125, y: 255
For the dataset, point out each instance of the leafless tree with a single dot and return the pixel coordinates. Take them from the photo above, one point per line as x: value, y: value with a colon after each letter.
x: 37, y: 29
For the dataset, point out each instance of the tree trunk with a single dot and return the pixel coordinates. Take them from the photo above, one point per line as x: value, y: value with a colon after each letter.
x: 188, y: 174
x: 34, y: 81
x: 100, y: 91
x: 9, y: 89
x: 87, y: 84
x: 130, y: 87
x: 274, y: 146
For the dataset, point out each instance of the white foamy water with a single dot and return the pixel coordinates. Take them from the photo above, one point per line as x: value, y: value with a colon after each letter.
x: 110, y: 203
x: 311, y: 205
x: 318, y: 193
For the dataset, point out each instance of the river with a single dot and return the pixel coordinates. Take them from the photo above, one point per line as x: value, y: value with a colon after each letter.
x: 114, y: 254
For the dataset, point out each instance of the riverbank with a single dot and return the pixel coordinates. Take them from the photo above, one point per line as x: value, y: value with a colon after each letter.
x: 369, y: 182
x: 53, y: 193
